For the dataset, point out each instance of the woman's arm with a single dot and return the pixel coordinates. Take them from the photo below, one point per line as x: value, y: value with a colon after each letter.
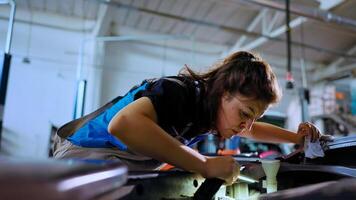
x: 136, y: 126
x: 270, y: 133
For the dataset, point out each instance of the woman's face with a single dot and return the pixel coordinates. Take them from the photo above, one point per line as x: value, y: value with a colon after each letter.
x: 237, y: 113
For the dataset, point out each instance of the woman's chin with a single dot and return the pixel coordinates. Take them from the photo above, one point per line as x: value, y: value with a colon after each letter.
x: 227, y: 136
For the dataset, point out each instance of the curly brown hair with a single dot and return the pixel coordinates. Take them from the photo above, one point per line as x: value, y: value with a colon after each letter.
x: 240, y: 73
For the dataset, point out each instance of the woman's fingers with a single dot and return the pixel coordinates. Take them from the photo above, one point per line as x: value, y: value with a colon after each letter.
x: 223, y: 167
x: 308, y: 129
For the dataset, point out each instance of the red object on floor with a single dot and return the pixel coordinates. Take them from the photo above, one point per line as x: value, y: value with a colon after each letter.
x: 166, y: 167
x: 228, y: 152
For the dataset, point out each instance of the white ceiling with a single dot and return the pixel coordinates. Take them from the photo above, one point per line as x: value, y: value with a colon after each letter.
x: 225, y: 22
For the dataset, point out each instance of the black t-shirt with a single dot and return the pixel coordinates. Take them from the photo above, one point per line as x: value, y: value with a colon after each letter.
x: 179, y: 106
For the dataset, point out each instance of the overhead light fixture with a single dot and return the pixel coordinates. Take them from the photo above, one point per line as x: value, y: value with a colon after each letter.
x: 290, y: 81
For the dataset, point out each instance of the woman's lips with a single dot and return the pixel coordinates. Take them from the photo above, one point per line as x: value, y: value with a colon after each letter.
x: 235, y: 131
x: 229, y: 133
x: 232, y: 133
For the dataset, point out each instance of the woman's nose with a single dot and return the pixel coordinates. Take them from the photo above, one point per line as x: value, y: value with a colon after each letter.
x: 249, y: 124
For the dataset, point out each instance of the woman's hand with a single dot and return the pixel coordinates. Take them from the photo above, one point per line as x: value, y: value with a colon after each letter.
x: 223, y: 167
x: 309, y: 129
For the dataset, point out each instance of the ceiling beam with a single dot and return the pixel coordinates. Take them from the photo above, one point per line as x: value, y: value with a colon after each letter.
x: 333, y: 72
x: 275, y: 18
x: 103, y: 21
x: 253, y: 24
x: 327, y: 4
x: 273, y: 34
x: 334, y: 68
x: 311, y: 13
x: 50, y: 20
x: 338, y: 61
x: 185, y: 43
x: 219, y: 26
x: 282, y: 29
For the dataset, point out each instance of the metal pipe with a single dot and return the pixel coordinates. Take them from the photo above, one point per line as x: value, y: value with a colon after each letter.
x: 304, y: 93
x: 315, y: 14
x: 5, y: 68
x: 288, y: 33
x: 10, y: 25
x: 302, y: 61
x: 289, y: 76
x: 80, y: 99
x: 140, y: 38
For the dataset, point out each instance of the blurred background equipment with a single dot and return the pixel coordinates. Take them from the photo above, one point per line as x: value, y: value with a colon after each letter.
x: 65, y: 59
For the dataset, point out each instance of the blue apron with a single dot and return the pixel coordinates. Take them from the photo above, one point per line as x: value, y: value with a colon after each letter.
x: 94, y: 134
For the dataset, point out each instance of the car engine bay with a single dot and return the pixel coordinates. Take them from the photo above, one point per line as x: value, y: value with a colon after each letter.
x: 297, y: 177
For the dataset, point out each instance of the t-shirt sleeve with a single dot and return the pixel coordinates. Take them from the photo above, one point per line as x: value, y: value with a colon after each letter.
x: 170, y: 100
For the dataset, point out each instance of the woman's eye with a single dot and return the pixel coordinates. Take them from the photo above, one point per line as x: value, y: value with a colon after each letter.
x: 244, y: 115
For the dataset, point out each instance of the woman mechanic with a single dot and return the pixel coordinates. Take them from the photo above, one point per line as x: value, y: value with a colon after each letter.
x: 158, y: 120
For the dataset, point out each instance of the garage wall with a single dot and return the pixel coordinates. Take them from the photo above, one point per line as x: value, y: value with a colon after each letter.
x: 128, y: 63
x: 40, y: 93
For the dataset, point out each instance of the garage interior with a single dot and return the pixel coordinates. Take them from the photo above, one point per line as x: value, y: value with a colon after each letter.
x: 62, y: 60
